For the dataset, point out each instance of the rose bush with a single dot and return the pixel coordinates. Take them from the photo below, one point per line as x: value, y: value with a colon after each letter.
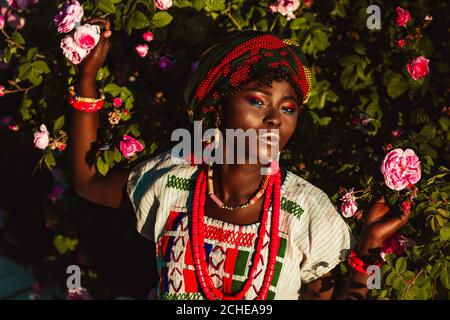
x: 376, y: 123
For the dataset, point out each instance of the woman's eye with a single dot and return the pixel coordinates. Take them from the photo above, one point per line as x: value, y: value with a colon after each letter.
x: 289, y: 109
x: 256, y: 102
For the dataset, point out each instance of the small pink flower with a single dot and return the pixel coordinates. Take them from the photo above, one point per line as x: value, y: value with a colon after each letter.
x: 41, y: 138
x: 148, y: 36
x: 14, y: 21
x: 56, y: 193
x: 428, y: 18
x: 285, y: 8
x: 142, y: 50
x: 70, y: 17
x: 401, y: 168
x: 87, y: 36
x: 78, y: 294
x: 401, y: 43
x: 163, y: 4
x: 403, y: 17
x: 2, y: 22
x: 388, y: 147
x: 396, y: 244
x: 73, y: 53
x: 349, y: 206
x: 418, y: 68
x: 406, y: 205
x: 2, y: 91
x: 129, y: 146
x: 397, y: 133
x: 164, y: 63
x: 117, y: 102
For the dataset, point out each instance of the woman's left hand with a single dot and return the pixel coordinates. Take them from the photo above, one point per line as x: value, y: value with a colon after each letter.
x: 380, y: 222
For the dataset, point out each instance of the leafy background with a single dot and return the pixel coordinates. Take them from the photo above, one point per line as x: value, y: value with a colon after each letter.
x: 357, y: 73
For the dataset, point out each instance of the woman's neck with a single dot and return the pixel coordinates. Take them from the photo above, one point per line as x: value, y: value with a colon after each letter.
x: 237, y: 183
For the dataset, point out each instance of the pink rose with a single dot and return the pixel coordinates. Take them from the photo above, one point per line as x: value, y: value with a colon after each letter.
x: 396, y: 245
x: 71, y: 15
x: 2, y: 91
x: 148, y: 36
x: 348, y: 206
x: 403, y: 17
x: 2, y: 22
x: 163, y: 4
x: 142, y: 50
x: 130, y: 146
x: 72, y: 52
x: 418, y: 68
x: 401, y: 169
x: 87, y: 36
x: 41, y: 138
x: 117, y: 102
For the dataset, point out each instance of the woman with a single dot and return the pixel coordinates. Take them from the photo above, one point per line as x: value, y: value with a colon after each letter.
x: 226, y: 231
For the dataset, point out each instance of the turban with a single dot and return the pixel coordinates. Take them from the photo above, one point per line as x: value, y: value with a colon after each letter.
x: 238, y: 59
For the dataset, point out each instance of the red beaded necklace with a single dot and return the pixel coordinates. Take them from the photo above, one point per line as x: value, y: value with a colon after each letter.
x: 201, y: 267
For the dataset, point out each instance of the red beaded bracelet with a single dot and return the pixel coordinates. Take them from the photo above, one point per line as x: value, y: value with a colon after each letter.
x: 356, y: 263
x: 85, y: 104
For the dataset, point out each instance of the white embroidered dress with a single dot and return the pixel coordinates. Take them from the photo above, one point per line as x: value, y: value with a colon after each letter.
x: 314, y: 237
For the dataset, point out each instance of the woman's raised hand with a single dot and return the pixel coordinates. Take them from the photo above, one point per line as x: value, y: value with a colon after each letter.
x: 95, y: 59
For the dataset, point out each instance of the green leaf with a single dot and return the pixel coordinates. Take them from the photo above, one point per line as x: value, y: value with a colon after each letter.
x: 445, y: 233
x: 320, y: 39
x: 398, y: 284
x: 198, y: 4
x: 106, y: 6
x: 444, y: 122
x: 428, y: 131
x: 32, y: 53
x: 445, y: 278
x: 117, y: 156
x: 161, y: 19
x: 49, y: 159
x: 401, y: 265
x: 41, y: 66
x: 138, y: 21
x: 17, y: 37
x: 297, y: 23
x: 64, y: 244
x: 397, y: 85
x: 59, y: 123
x: 348, y: 78
x: 112, y: 89
x: 390, y: 278
x: 349, y: 60
x: 102, y: 167
x: 215, y: 5
x: 108, y: 155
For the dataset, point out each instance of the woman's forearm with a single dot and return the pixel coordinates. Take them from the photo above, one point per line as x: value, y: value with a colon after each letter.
x: 83, y: 135
x: 356, y: 287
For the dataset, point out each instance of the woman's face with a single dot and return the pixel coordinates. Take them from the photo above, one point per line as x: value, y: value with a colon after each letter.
x: 273, y: 108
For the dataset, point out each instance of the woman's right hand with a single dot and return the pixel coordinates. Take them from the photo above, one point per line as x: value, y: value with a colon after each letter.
x: 95, y: 59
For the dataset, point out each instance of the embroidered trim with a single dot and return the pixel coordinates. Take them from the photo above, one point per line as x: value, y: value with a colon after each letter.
x: 291, y: 207
x: 182, y: 296
x: 229, y: 236
x: 180, y: 183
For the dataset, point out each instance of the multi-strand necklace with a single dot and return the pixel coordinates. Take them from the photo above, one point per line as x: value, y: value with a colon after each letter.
x: 272, y: 190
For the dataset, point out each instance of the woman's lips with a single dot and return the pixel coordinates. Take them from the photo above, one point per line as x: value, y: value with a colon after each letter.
x: 270, y: 138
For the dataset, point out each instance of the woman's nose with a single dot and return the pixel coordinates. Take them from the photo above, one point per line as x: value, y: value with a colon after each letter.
x: 273, y: 118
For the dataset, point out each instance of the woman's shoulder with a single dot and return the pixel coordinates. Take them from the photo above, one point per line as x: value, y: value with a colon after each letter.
x: 300, y: 192
x: 165, y: 166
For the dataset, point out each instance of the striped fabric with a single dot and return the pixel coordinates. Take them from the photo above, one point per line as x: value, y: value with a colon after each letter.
x: 314, y: 237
